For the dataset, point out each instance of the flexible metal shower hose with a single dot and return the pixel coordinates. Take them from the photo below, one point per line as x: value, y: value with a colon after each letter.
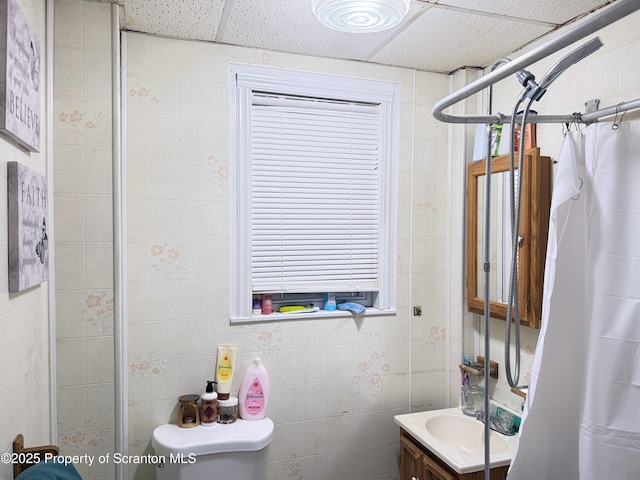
x: 513, y: 300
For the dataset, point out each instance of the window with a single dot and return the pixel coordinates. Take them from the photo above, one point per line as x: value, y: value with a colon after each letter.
x: 313, y: 175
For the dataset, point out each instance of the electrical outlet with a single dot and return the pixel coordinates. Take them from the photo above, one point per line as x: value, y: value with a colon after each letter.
x: 417, y: 311
x: 312, y: 341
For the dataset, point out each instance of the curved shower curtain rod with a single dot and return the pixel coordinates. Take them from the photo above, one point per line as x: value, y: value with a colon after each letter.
x: 619, y: 10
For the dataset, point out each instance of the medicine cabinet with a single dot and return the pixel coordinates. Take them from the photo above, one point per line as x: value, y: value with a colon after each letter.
x: 534, y: 227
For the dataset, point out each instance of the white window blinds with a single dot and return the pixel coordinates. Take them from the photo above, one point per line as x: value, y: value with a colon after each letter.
x: 315, y: 187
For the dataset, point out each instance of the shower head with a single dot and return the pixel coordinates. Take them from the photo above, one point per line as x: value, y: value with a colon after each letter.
x: 536, y: 91
x: 574, y: 57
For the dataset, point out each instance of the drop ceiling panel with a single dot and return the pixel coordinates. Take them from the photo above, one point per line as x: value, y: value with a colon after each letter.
x: 443, y: 40
x: 437, y: 35
x: 551, y: 11
x: 194, y: 19
x: 290, y: 26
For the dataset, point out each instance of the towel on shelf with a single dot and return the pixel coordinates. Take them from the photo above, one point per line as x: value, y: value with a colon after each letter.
x: 353, y: 307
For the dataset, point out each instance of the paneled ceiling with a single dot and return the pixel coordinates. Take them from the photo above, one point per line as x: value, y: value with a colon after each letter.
x: 437, y: 35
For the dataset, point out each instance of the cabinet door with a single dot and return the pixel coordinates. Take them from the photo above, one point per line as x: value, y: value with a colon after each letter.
x: 534, y: 228
x: 411, y: 461
x: 433, y: 471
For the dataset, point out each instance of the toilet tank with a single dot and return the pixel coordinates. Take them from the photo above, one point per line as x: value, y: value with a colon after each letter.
x: 236, y: 451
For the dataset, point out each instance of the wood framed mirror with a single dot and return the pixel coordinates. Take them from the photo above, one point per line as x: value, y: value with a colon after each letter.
x: 534, y: 228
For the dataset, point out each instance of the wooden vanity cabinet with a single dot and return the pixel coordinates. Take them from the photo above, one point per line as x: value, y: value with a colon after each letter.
x: 418, y: 463
x: 411, y: 464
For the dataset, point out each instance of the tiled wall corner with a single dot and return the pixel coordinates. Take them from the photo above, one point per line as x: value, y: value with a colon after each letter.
x: 84, y: 232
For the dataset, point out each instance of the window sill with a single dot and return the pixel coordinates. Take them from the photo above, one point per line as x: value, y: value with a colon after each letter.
x: 276, y: 317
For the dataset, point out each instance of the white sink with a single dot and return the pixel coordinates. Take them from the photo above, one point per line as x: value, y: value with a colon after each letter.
x: 465, y: 433
x: 457, y: 439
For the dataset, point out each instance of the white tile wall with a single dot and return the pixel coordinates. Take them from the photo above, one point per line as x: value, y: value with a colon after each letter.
x: 24, y: 329
x: 336, y: 384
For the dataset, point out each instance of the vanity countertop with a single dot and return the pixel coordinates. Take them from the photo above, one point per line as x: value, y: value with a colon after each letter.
x: 457, y: 439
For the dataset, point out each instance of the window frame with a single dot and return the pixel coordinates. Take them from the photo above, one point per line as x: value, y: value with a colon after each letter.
x: 243, y: 80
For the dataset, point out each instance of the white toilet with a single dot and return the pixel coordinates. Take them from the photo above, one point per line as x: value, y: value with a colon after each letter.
x: 236, y: 451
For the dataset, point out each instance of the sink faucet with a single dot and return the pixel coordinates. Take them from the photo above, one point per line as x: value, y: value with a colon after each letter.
x: 500, y: 420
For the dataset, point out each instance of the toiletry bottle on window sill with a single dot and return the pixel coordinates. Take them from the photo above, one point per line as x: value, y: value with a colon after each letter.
x: 267, y: 303
x: 330, y: 301
x: 256, y: 307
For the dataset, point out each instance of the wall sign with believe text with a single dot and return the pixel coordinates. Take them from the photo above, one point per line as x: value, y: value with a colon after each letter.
x: 19, y: 77
x: 28, y: 240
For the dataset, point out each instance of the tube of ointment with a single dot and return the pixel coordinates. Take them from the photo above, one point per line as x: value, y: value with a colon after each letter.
x: 225, y: 365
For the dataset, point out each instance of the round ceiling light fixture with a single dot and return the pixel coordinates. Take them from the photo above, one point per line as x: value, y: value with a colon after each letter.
x: 360, y: 16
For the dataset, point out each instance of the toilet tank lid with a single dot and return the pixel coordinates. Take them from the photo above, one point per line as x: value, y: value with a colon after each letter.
x: 240, y: 436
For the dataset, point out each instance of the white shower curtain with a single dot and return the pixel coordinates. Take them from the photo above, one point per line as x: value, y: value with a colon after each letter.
x: 582, y: 416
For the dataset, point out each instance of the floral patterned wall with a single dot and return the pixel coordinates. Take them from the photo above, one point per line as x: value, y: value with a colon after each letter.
x: 83, y: 232
x: 336, y: 383
x: 348, y: 377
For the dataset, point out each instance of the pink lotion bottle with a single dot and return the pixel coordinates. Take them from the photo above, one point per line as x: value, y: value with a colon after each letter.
x: 254, y: 392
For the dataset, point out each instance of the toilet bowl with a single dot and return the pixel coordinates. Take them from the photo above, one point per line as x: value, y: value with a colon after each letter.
x: 237, y: 451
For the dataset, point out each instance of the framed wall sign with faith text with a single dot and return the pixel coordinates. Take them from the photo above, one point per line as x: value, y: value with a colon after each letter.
x: 28, y: 239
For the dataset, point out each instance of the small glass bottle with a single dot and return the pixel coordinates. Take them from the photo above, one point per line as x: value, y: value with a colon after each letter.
x: 472, y: 396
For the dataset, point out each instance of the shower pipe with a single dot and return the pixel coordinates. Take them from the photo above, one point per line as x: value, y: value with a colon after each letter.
x: 513, y: 283
x: 487, y: 271
x: 610, y: 15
